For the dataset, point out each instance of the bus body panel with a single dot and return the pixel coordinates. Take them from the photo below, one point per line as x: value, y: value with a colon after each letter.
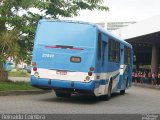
x: 56, y: 42
x: 54, y: 48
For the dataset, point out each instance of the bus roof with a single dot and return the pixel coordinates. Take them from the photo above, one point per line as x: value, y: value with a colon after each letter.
x: 92, y: 24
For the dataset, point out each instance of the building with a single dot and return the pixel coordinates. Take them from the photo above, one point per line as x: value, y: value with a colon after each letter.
x: 102, y: 24
x: 145, y: 39
x: 116, y: 25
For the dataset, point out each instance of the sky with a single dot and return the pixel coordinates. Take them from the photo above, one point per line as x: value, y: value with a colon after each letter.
x: 121, y: 10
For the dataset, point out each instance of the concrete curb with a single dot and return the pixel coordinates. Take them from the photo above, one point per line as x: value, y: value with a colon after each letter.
x: 23, y: 92
x: 146, y: 86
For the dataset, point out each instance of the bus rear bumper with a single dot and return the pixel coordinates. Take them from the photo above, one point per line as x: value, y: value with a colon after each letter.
x: 63, y: 85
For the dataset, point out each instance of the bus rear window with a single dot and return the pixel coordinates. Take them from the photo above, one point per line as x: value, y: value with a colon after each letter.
x: 65, y: 34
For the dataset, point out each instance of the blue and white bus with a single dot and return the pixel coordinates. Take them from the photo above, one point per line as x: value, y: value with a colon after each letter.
x: 78, y: 57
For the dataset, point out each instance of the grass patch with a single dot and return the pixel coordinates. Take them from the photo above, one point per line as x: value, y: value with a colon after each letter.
x: 18, y: 74
x: 8, y: 86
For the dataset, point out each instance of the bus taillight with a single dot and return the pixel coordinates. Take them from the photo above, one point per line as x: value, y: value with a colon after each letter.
x: 90, y: 73
x: 34, y: 64
x: 91, y: 68
x: 87, y: 78
x: 34, y: 68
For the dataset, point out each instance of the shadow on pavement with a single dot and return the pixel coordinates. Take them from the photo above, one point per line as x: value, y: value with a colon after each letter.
x: 79, y: 99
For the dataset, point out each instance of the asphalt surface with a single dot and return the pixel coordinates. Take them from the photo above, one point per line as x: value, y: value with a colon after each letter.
x: 137, y: 100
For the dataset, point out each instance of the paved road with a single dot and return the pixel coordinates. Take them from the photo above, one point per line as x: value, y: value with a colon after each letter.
x: 136, y: 100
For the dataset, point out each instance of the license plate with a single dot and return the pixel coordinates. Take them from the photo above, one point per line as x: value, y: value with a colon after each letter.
x: 61, y: 72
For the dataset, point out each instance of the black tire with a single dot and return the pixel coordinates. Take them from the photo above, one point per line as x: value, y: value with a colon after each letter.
x: 122, y: 92
x: 65, y: 95
x: 108, y: 96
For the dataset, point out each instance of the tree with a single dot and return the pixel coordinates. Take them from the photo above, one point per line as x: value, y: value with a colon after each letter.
x: 18, y: 23
x: 8, y: 47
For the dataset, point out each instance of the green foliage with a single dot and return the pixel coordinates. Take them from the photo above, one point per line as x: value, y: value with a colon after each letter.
x: 10, y: 86
x: 18, y: 23
x: 19, y: 73
x: 8, y: 44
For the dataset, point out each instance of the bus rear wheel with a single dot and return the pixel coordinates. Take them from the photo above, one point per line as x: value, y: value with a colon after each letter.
x: 108, y: 96
x: 122, y: 92
x: 61, y: 94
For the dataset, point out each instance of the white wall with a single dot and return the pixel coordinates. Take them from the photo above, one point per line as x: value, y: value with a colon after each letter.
x: 147, y: 26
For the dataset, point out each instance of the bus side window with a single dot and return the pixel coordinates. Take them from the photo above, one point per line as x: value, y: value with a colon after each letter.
x: 104, y: 44
x: 127, y: 55
x: 99, y: 46
x: 113, y: 51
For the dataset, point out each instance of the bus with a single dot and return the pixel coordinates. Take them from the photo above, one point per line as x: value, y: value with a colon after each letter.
x: 72, y: 57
